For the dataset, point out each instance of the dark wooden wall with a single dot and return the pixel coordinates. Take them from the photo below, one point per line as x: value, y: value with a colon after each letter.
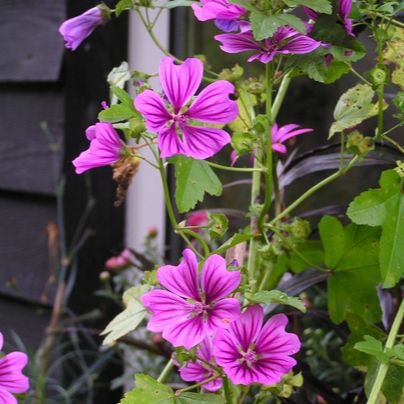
x: 48, y: 97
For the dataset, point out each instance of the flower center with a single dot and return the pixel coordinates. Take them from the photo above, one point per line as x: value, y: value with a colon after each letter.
x: 249, y: 357
x: 179, y: 119
x: 200, y: 308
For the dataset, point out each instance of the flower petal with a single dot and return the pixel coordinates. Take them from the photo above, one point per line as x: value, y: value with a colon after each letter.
x: 104, y: 148
x: 194, y: 372
x: 1, y: 341
x: 6, y: 397
x: 213, y: 104
x: 11, y: 377
x: 237, y: 43
x: 213, y: 9
x: 299, y: 45
x: 183, y: 278
x: 216, y: 281
x: 170, y: 143
x: 202, y: 143
x: 187, y: 333
x: 274, y: 342
x: 225, y: 348
x: 222, y: 314
x: 227, y: 25
x: 180, y: 82
x: 152, y: 107
x: 270, y: 371
x: 248, y: 325
x: 288, y: 131
x: 279, y: 147
x: 166, y: 308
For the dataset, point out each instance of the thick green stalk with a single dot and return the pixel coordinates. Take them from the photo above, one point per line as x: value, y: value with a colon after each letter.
x: 384, y: 367
x: 313, y: 190
x: 269, y: 154
x: 235, y: 169
x: 166, y: 371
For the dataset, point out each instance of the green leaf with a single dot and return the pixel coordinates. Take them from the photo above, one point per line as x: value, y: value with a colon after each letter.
x: 178, y: 3
x: 123, y: 96
x: 310, y: 253
x: 117, y: 113
x: 149, y: 391
x: 233, y: 241
x: 372, y: 346
x: 126, y: 321
x: 344, y: 246
x: 264, y: 26
x: 353, y: 107
x: 370, y: 206
x: 193, y: 178
x: 359, y: 328
x: 245, y: 103
x: 218, y: 225
x: 355, y: 275
x: 196, y: 398
x: 123, y: 5
x: 321, y: 6
x: 384, y: 207
x: 278, y: 297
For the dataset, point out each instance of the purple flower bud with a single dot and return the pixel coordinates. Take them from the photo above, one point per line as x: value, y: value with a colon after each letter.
x: 76, y: 29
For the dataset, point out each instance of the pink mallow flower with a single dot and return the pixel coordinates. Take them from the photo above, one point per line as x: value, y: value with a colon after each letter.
x: 199, y: 371
x: 281, y: 134
x: 251, y: 352
x: 105, y: 148
x: 225, y: 14
x: 12, y: 381
x: 194, y: 306
x: 77, y: 29
x: 176, y: 133
x: 285, y: 41
x: 344, y: 9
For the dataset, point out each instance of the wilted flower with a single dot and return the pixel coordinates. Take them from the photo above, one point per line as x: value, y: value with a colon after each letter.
x: 199, y: 371
x: 12, y: 381
x: 251, y: 352
x: 197, y: 219
x: 77, y: 29
x: 281, y: 134
x: 225, y: 14
x: 176, y: 133
x: 194, y: 306
x: 105, y: 148
x: 285, y: 41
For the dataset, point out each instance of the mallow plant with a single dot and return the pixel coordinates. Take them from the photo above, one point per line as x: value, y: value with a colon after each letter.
x: 215, y: 306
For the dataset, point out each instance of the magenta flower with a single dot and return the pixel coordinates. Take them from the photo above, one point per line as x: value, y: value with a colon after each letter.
x: 77, y: 29
x: 12, y: 381
x: 176, y: 133
x: 281, y: 134
x: 193, y: 307
x: 225, y: 14
x: 252, y: 353
x: 285, y: 41
x: 344, y: 9
x: 105, y: 148
x: 199, y: 371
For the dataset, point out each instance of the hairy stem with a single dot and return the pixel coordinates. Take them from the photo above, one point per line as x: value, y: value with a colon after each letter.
x: 384, y: 367
x: 166, y: 371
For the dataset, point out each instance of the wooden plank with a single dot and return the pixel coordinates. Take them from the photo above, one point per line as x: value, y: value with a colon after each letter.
x: 31, y: 138
x: 31, y: 48
x: 27, y: 321
x: 27, y: 227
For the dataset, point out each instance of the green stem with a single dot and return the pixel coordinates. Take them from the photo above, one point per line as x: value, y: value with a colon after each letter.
x: 394, y: 143
x: 277, y: 192
x: 313, y: 190
x: 280, y: 95
x: 196, y: 236
x: 196, y: 385
x: 227, y: 392
x: 269, y: 154
x: 384, y: 367
x: 391, y: 20
x: 236, y: 169
x: 167, y: 196
x: 166, y: 371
